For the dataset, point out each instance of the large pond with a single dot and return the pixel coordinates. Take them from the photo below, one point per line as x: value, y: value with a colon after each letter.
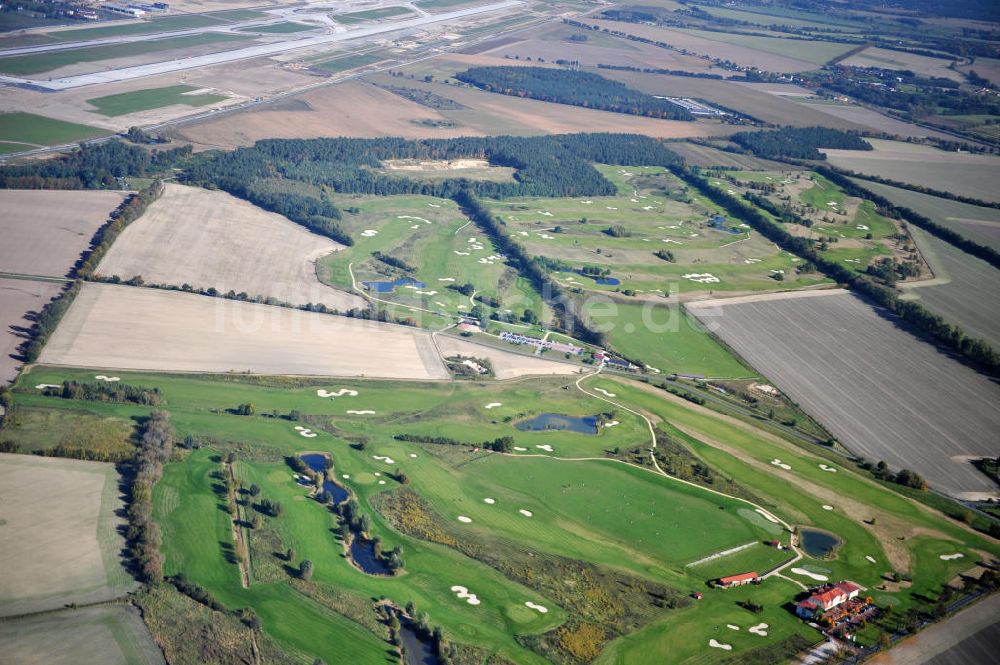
x: 415, y: 650
x: 608, y: 281
x: 363, y: 554
x: 547, y: 422
x: 317, y: 463
x: 389, y: 287
x: 818, y: 544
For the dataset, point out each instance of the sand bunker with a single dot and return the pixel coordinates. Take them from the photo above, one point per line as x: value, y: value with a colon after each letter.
x: 381, y: 482
x: 489, y: 501
x: 719, y: 645
x: 768, y: 516
x: 759, y: 629
x: 871, y: 559
x: 612, y: 423
x: 535, y: 606
x: 419, y: 219
x: 337, y: 393
x: 493, y: 405
x: 413, y: 454
x: 461, y: 253
x: 949, y: 557
x: 464, y: 519
x: 346, y: 476
x: 815, y: 576
x: 109, y: 379
x: 732, y: 627
x: 700, y: 277
x: 446, y: 279
x: 827, y: 507
x: 369, y: 233
x: 827, y: 468
x: 520, y: 449
x: 546, y: 447
x: 43, y: 386
x: 462, y: 592
x: 605, y: 392
x: 304, y: 431
x: 383, y: 458
x: 528, y: 513
x: 365, y: 412
x: 777, y: 462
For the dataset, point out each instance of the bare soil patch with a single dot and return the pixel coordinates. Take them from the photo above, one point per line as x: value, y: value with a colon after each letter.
x: 116, y: 327
x: 59, y: 540
x: 18, y: 298
x: 211, y: 239
x: 44, y: 232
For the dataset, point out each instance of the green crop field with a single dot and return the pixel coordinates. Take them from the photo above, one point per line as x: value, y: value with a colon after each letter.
x: 28, y: 128
x: 553, y: 497
x: 151, y: 98
x: 42, y: 62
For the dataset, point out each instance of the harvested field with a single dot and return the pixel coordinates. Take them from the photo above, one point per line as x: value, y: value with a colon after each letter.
x: 988, y: 68
x: 700, y: 155
x: 846, y: 364
x: 45, y: 231
x: 112, y: 635
x: 867, y: 117
x: 18, y: 297
x: 506, y: 365
x: 592, y: 53
x: 116, y: 326
x: 921, y: 64
x: 211, y: 239
x: 60, y: 540
x: 961, y: 173
x: 964, y: 289
x: 976, y: 223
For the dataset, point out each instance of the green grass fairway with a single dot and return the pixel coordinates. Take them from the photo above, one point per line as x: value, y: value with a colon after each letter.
x: 39, y: 130
x: 371, y: 15
x: 151, y: 98
x: 43, y: 62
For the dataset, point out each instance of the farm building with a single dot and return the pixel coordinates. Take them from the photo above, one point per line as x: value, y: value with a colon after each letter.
x: 738, y: 580
x: 515, y: 338
x: 826, y: 598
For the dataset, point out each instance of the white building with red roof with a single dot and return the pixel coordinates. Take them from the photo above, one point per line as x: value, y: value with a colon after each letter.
x: 826, y: 598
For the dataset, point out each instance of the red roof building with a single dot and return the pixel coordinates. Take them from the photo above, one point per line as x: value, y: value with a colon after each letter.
x: 826, y: 598
x: 739, y: 580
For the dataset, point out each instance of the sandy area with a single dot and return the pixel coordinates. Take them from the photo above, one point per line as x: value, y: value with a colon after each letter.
x: 506, y: 365
x: 17, y: 298
x: 58, y: 517
x: 124, y: 327
x: 44, y: 232
x: 211, y: 239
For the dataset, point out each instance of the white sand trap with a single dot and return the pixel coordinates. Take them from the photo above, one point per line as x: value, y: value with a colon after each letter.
x: 871, y: 559
x: 377, y: 473
x: 545, y: 212
x: 540, y: 608
x: 364, y: 412
x: 715, y: 644
x: 701, y: 277
x: 546, y: 447
x: 827, y: 507
x: 807, y: 573
x: 415, y: 226
x: 463, y: 593
x: 759, y: 629
x: 464, y: 519
x: 446, y: 279
x: 109, y: 379
x: 520, y: 449
x: 337, y: 393
x: 777, y: 462
x: 434, y: 205
x: 605, y: 392
x: 829, y: 469
x: 43, y: 386
x: 949, y: 557
x: 768, y: 516
x: 419, y: 219
x: 461, y: 253
x: 383, y: 458
x: 304, y: 431
x: 369, y: 233
x: 381, y: 482
x: 346, y: 476
x: 610, y: 208
x: 528, y: 513
x: 413, y: 455
x: 732, y: 627
x: 862, y: 227
x: 612, y: 423
x: 523, y: 233
x: 493, y: 405
x: 489, y: 501
x: 587, y: 203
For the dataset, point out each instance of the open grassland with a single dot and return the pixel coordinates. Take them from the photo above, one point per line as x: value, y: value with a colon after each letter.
x: 696, y: 154
x: 151, y: 98
x: 111, y: 635
x: 976, y: 223
x: 283, y: 28
x: 45, y: 232
x: 371, y: 15
x: 180, y: 22
x: 831, y: 345
x: 20, y: 300
x: 209, y: 239
x: 346, y: 62
x: 809, y: 50
x: 24, y: 131
x: 119, y: 326
x: 596, y: 513
x: 37, y: 63
x: 960, y: 173
x: 60, y: 539
x: 41, y: 429
x: 962, y: 290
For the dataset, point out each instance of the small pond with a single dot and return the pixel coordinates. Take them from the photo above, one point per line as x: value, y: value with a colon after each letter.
x: 546, y: 422
x: 389, y: 287
x: 317, y: 463
x: 608, y: 281
x: 363, y: 554
x: 818, y: 544
x: 416, y: 651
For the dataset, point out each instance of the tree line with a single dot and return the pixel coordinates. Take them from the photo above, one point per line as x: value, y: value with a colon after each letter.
x: 799, y: 142
x: 156, y: 444
x: 572, y: 87
x: 130, y: 210
x: 117, y: 393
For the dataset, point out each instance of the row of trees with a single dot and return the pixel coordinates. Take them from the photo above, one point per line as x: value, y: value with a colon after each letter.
x: 156, y: 444
x: 118, y: 393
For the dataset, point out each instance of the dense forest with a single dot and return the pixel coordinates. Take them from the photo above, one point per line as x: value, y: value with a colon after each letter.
x: 799, y: 142
x: 576, y: 88
x: 91, y: 166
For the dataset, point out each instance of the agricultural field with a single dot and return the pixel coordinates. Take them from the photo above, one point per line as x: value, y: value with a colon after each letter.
x: 886, y: 59
x: 696, y: 154
x: 20, y: 299
x: 974, y: 176
x: 835, y: 340
x: 152, y: 98
x: 61, y: 542
x: 209, y: 239
x: 25, y: 131
x: 108, y: 635
x: 346, y: 62
x: 45, y: 232
x: 196, y: 333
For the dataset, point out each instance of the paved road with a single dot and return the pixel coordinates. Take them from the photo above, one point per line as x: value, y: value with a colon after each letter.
x: 257, y: 51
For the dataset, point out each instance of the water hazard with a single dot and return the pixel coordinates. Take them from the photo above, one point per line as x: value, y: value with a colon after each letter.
x: 548, y: 422
x: 317, y: 463
x: 818, y: 544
